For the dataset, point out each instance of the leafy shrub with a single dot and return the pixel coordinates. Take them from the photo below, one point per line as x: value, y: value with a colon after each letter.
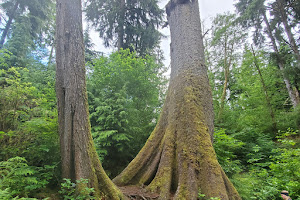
x: 6, y: 195
x: 69, y: 191
x: 19, y: 179
x: 226, y: 147
x: 282, y: 173
x: 125, y: 97
x: 202, y: 196
x: 28, y: 120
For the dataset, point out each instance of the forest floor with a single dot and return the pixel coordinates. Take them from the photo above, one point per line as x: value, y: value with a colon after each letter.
x: 138, y: 193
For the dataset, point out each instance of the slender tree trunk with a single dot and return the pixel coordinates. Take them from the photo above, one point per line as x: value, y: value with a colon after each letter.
x: 51, y: 53
x: 222, y: 103
x: 178, y: 159
x: 121, y: 24
x: 227, y: 64
x: 8, y: 24
x: 79, y: 157
x: 268, y: 100
x: 287, y: 28
x: 286, y: 80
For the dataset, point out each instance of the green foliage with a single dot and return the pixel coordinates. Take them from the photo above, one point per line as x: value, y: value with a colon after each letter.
x: 16, y: 99
x: 125, y: 99
x: 281, y: 172
x: 20, y: 179
x: 226, y: 38
x: 6, y: 195
x: 26, y: 28
x: 4, y: 56
x: 134, y: 25
x: 226, y: 148
x: 251, y: 15
x: 28, y: 118
x: 249, y: 97
x: 70, y: 190
x: 202, y: 196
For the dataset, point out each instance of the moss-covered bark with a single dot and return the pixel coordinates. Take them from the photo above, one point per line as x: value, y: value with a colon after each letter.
x: 79, y: 157
x: 178, y: 159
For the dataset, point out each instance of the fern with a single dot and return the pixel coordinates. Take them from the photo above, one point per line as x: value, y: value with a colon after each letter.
x: 20, y: 179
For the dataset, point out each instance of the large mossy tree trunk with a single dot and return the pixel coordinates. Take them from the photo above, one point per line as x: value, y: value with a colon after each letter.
x: 178, y: 160
x: 79, y: 157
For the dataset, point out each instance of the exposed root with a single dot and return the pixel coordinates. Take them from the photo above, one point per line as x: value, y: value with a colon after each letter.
x: 138, y: 193
x: 179, y: 159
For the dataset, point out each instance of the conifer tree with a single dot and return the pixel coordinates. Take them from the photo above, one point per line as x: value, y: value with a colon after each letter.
x: 79, y: 157
x: 178, y: 158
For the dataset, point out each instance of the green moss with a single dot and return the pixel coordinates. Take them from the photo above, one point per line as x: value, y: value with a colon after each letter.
x: 184, y: 138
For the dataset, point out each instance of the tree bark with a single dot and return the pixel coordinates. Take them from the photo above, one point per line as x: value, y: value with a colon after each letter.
x: 8, y: 24
x: 79, y: 157
x: 178, y: 159
x: 121, y: 24
x: 294, y: 99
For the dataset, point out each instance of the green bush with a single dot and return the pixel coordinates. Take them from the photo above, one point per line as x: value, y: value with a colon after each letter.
x: 226, y: 147
x: 6, y: 195
x: 19, y: 179
x: 70, y: 192
x: 281, y: 173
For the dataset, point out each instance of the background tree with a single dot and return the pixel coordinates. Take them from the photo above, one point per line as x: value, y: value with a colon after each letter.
x: 178, y: 157
x: 280, y: 11
x: 125, y: 98
x: 27, y: 25
x: 79, y: 157
x: 127, y: 24
x: 36, y: 11
x: 227, y: 36
x: 253, y: 13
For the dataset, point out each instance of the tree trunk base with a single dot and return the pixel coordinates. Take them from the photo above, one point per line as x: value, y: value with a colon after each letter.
x: 138, y: 193
x: 178, y: 158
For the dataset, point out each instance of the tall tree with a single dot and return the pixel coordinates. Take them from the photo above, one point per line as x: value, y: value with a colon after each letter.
x: 264, y: 87
x: 253, y: 13
x: 126, y: 24
x: 125, y: 101
x: 227, y: 36
x: 178, y: 158
x: 79, y: 157
x: 281, y: 14
x: 37, y: 11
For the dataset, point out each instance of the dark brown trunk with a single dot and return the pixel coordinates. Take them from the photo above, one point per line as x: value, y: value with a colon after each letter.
x: 121, y: 25
x: 268, y: 100
x: 8, y: 24
x: 79, y: 157
x: 178, y: 159
x: 286, y: 80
